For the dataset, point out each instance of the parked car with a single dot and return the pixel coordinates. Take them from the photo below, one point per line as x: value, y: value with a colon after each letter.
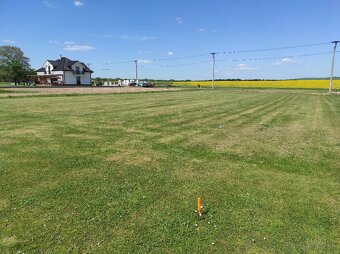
x: 145, y: 84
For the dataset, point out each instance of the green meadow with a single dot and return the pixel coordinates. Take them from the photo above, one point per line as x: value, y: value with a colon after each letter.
x: 121, y: 173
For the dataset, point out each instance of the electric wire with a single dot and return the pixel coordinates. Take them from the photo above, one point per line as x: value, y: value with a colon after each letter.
x: 223, y: 52
x: 276, y: 48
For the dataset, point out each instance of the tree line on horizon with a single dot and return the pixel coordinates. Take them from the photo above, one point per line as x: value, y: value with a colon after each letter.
x: 14, y: 65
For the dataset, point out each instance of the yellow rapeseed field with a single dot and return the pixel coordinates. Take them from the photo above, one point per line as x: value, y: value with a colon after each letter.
x: 266, y: 84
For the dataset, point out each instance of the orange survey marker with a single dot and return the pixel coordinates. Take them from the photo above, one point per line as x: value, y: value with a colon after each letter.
x: 199, y: 207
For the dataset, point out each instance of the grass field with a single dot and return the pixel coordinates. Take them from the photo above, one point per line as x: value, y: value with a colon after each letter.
x: 311, y: 84
x: 6, y: 84
x: 121, y: 173
x: 72, y: 91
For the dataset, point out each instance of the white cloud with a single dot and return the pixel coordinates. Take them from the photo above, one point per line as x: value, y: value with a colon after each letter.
x: 179, y: 20
x: 76, y: 47
x: 69, y: 42
x: 201, y: 30
x: 288, y: 60
x: 53, y: 41
x: 285, y: 60
x: 144, y: 61
x: 8, y: 41
x: 78, y: 3
x: 244, y: 67
x: 170, y: 53
x: 49, y: 4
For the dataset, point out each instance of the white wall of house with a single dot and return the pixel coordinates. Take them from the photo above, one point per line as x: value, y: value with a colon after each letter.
x: 71, y: 79
x: 86, y: 79
x: 58, y: 72
x: 46, y: 65
x: 77, y: 64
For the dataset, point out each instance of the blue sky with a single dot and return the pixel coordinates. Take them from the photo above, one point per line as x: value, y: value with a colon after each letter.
x: 172, y: 39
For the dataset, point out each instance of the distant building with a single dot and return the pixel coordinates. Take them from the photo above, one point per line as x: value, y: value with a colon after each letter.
x: 64, y: 71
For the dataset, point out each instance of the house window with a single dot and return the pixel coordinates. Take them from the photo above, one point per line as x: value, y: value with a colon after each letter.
x: 49, y: 69
x: 77, y: 70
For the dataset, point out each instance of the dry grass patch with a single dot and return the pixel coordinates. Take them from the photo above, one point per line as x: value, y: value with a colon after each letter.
x: 9, y: 241
x: 4, y: 203
x: 136, y: 157
x: 87, y: 172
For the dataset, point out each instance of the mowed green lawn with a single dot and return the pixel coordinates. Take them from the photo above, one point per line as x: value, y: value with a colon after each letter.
x: 121, y: 173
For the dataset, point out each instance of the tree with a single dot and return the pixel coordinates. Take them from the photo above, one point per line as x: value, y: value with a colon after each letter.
x: 14, y: 66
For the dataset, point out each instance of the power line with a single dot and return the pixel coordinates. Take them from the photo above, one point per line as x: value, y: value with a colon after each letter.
x: 161, y: 59
x: 221, y: 60
x: 235, y: 60
x: 273, y: 58
x: 179, y: 57
x: 174, y: 65
x: 225, y: 52
x: 181, y: 65
x: 276, y: 48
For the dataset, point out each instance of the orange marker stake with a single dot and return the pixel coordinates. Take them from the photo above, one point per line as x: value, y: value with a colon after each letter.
x: 199, y: 207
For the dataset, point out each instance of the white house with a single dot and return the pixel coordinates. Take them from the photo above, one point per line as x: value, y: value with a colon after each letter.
x: 64, y: 71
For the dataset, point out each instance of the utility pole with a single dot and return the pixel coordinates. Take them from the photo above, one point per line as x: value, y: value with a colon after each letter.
x: 136, y: 63
x: 213, y: 76
x: 332, y: 68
